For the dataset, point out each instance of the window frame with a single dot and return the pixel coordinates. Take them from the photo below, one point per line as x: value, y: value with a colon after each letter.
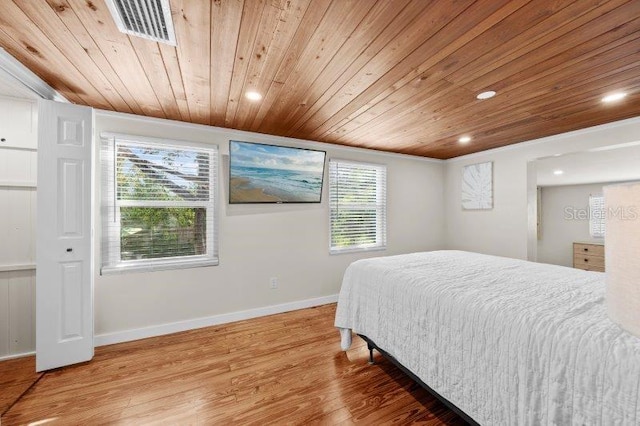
x: 381, y: 220
x: 110, y: 207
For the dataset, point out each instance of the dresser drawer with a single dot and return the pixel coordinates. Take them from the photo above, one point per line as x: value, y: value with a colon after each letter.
x: 588, y: 262
x: 589, y: 268
x: 588, y: 249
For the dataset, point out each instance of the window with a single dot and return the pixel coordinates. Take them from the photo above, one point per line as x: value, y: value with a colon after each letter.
x: 358, y: 201
x: 596, y: 216
x: 158, y: 208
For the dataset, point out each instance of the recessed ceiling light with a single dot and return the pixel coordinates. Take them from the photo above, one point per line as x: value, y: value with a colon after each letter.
x: 254, y: 96
x: 558, y: 172
x: 464, y: 139
x: 613, y: 97
x: 486, y: 95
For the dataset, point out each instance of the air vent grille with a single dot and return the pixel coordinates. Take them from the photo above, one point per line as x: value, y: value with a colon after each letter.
x: 150, y: 19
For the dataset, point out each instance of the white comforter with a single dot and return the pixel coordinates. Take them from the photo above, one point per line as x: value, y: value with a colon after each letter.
x: 509, y: 342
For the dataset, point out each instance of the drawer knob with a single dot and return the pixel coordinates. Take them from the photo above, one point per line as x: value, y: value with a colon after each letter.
x: 586, y: 260
x: 586, y: 249
x: 3, y: 140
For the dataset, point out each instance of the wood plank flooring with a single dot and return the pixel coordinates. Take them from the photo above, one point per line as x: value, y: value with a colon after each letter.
x: 281, y: 369
x: 16, y: 376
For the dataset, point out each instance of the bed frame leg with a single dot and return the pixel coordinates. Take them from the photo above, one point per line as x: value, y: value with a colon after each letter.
x: 370, y: 347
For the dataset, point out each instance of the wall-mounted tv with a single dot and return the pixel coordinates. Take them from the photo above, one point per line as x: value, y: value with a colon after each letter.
x: 260, y: 173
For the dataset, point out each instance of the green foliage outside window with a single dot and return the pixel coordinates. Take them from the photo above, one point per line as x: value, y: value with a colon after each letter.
x: 148, y: 233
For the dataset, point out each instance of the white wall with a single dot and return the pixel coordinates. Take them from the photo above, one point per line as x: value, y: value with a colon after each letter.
x: 257, y: 242
x: 504, y: 229
x: 17, y: 225
x: 558, y: 230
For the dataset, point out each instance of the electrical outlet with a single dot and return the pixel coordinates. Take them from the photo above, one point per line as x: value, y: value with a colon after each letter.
x: 273, y: 282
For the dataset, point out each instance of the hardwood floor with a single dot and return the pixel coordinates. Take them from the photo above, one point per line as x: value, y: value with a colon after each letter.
x: 16, y: 377
x: 281, y: 369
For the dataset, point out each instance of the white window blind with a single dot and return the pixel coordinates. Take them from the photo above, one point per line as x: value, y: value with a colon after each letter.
x: 158, y: 204
x: 358, y: 204
x: 596, y: 216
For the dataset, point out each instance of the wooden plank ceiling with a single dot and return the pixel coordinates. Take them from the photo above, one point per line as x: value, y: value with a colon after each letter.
x: 394, y: 75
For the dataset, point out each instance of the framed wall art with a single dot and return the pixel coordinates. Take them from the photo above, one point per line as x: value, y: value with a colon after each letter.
x: 477, y: 186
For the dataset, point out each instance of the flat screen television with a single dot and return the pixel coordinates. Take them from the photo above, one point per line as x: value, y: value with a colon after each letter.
x: 260, y: 173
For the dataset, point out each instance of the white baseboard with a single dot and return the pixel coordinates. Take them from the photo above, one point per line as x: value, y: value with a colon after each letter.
x: 13, y: 356
x: 174, y: 327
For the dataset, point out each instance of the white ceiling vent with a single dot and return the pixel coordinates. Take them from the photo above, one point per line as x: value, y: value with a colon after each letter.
x: 150, y: 19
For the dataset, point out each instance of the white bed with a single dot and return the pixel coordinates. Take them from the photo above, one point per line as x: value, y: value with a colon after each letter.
x: 509, y: 342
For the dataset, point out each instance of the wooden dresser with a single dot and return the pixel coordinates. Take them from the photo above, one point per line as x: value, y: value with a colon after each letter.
x: 588, y: 256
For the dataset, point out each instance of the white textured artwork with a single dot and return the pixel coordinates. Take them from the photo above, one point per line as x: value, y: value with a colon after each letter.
x: 477, y: 186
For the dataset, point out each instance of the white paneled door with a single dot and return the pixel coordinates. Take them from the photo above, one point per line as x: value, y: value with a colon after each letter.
x: 64, y: 249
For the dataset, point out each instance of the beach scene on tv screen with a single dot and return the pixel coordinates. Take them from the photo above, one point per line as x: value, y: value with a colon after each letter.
x: 271, y: 174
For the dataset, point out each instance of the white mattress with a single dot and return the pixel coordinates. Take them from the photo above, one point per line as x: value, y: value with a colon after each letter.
x: 509, y: 342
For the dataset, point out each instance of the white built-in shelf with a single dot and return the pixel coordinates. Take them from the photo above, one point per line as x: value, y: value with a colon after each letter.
x: 17, y: 184
x: 18, y: 267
